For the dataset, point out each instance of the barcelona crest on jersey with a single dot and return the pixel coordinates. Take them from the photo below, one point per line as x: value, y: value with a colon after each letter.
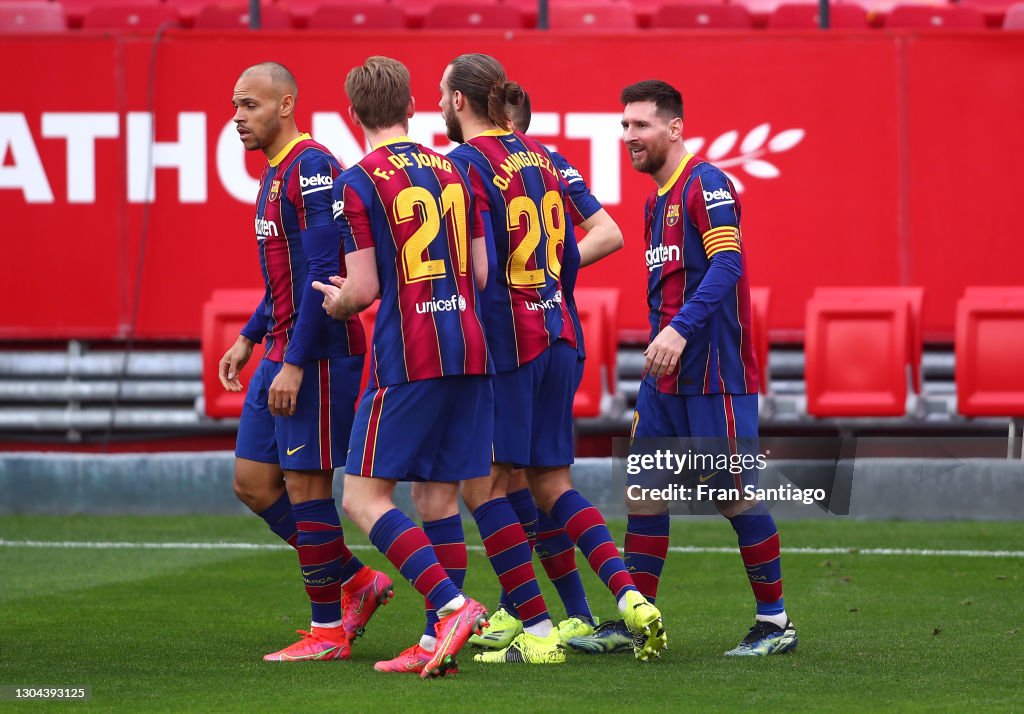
x: 672, y: 214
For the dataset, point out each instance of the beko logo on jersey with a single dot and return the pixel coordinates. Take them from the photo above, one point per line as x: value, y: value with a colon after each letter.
x: 660, y: 254
x: 455, y: 302
x: 570, y: 174
x: 719, y: 194
x: 265, y: 229
x: 338, y: 207
x: 315, y: 182
x: 552, y: 304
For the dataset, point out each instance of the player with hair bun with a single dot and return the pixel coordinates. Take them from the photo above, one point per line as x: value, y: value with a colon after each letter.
x: 533, y: 346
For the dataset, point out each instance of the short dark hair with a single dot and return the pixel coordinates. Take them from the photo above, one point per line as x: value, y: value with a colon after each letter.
x: 483, y: 83
x: 667, y: 99
x: 521, y: 114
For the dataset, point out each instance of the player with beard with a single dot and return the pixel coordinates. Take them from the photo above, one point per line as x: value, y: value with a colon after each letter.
x: 298, y: 409
x: 533, y: 346
x: 701, y: 375
x: 414, y: 237
x: 556, y: 552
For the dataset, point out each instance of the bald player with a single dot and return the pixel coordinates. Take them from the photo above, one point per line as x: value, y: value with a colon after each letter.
x: 299, y: 405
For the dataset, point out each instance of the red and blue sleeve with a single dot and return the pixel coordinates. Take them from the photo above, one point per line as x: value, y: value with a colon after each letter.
x: 352, y: 219
x: 711, y: 205
x: 256, y: 328
x: 580, y: 204
x: 482, y: 227
x: 309, y: 189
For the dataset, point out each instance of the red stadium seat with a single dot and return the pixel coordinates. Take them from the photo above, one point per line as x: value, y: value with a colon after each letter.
x: 1014, y: 19
x: 760, y: 299
x: 31, y: 17
x: 416, y: 10
x: 366, y: 16
x: 607, y: 351
x: 302, y: 10
x: 463, y: 16
x: 990, y: 352
x: 619, y: 16
x: 645, y: 9
x: 913, y: 298
x: 599, y: 314
x: 129, y: 17
x: 75, y: 10
x: 764, y: 8
x: 224, y: 316
x: 702, y: 16
x: 804, y: 16
x: 928, y: 18
x: 993, y: 10
x: 587, y: 402
x: 878, y: 9
x: 236, y: 17
x: 856, y: 356
x: 993, y: 291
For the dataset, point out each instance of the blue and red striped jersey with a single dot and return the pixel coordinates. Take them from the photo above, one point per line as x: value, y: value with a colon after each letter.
x: 298, y: 243
x: 525, y: 197
x: 415, y: 207
x: 581, y: 203
x: 691, y: 220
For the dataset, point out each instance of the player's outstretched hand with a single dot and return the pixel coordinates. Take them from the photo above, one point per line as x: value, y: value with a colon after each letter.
x: 231, y: 364
x: 662, y: 356
x: 284, y: 390
x: 332, y: 296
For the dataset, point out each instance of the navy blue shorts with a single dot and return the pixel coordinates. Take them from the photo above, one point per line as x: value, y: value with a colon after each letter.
x: 428, y: 430
x: 711, y: 427
x: 533, y: 409
x: 315, y: 437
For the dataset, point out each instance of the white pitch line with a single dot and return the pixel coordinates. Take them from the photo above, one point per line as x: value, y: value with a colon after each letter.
x: 102, y: 545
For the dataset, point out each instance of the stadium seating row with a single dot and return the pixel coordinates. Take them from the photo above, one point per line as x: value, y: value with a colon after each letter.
x: 148, y: 15
x: 863, y: 349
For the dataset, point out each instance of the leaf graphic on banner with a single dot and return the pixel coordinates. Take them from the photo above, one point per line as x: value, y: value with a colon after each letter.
x: 722, y: 145
x: 750, y: 154
x: 737, y: 184
x: 759, y: 168
x: 755, y: 139
x: 786, y: 140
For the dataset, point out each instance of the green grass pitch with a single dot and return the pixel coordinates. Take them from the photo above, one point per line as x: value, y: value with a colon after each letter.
x: 184, y: 630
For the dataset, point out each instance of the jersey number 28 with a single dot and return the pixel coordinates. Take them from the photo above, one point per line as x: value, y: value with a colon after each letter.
x: 523, y: 215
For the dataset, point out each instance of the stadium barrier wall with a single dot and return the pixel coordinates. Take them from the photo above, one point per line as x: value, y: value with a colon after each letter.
x: 193, y: 483
x: 862, y: 158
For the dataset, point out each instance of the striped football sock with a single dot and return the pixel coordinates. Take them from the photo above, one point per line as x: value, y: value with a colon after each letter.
x: 585, y: 525
x: 280, y: 519
x: 323, y: 557
x: 558, y: 556
x: 526, y: 510
x: 759, y: 548
x: 449, y: 542
x: 407, y: 547
x: 510, y: 556
x: 646, y: 548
